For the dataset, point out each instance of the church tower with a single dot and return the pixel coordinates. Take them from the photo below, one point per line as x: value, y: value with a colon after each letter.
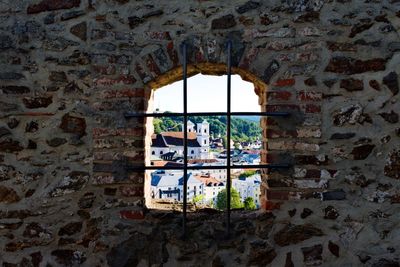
x: 190, y: 127
x: 203, y: 137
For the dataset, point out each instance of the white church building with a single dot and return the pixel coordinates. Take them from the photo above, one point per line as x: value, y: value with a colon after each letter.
x: 170, y: 142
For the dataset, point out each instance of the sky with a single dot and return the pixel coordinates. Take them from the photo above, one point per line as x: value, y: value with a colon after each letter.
x: 207, y: 93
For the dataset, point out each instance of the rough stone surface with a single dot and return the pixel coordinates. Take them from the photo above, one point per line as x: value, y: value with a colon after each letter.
x: 37, y: 102
x: 293, y: 234
x: 391, y: 117
x: 392, y: 167
x: 72, y: 124
x: 392, y: 82
x: 80, y: 30
x: 347, y: 65
x: 352, y: 84
x: 49, y: 5
x: 225, y: 22
x: 70, y: 69
x: 8, y: 195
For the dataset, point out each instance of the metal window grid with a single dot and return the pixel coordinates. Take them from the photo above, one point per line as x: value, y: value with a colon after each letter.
x: 228, y: 167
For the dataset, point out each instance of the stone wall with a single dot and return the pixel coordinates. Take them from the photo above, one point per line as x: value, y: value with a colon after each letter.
x: 71, y: 68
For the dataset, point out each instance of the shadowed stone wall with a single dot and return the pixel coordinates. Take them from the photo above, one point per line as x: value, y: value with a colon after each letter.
x: 70, y: 69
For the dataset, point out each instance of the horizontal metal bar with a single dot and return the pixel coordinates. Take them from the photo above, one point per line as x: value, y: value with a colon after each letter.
x: 175, y: 114
x: 215, y: 167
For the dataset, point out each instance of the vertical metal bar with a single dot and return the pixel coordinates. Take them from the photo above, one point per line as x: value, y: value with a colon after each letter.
x: 185, y: 136
x: 228, y: 141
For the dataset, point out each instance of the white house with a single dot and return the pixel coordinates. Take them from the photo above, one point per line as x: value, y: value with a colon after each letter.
x: 211, y: 187
x: 248, y: 187
x: 198, y: 142
x: 169, y: 185
x: 219, y: 174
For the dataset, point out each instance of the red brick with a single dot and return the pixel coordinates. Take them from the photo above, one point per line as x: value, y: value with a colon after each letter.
x: 108, y: 178
x: 49, y: 5
x: 271, y: 121
x: 281, y: 95
x: 311, y: 108
x: 282, y: 108
x: 131, y: 214
x: 313, y: 174
x: 152, y: 65
x: 272, y: 133
x: 104, y: 70
x: 173, y: 55
x: 158, y: 36
x: 131, y: 191
x: 277, y: 195
x: 285, y: 82
x: 248, y: 59
x: 139, y: 92
x: 270, y: 205
x: 309, y: 96
x: 106, y: 143
x: 102, y: 132
x: 114, y: 105
x: 119, y: 155
x: 125, y: 79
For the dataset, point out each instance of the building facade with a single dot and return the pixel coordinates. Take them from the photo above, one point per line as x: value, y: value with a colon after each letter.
x: 198, y: 142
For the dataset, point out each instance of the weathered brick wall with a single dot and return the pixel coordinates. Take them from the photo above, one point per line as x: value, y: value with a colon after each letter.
x: 70, y: 69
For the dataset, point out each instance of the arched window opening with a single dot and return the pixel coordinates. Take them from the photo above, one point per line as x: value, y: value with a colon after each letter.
x: 207, y: 135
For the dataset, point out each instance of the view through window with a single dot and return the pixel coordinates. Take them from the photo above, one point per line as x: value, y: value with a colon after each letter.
x: 206, y: 144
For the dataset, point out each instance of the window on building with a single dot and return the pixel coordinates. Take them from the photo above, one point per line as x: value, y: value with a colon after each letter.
x: 192, y: 152
x: 153, y: 152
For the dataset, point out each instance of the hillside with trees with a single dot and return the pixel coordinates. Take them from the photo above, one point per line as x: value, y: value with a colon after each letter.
x: 241, y: 129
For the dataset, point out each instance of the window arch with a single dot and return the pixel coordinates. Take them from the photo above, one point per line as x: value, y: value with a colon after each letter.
x: 259, y: 89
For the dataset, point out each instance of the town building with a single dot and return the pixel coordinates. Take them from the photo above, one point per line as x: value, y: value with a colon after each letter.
x: 211, y: 187
x: 172, y: 142
x: 248, y: 187
x: 169, y: 185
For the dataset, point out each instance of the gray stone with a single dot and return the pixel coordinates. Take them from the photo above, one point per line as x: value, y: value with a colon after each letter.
x: 105, y: 46
x: 391, y: 81
x: 224, y: 22
x: 80, y: 30
x: 73, y: 182
x: 7, y: 107
x: 58, y: 43
x: 394, y: 46
x: 250, y: 5
x: 72, y: 14
x: 55, y: 142
x: 334, y: 195
x: 6, y: 42
x: 11, y: 76
x: 340, y: 136
x: 4, y: 131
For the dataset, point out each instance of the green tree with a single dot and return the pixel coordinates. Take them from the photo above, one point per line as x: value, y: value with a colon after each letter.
x: 241, y: 129
x: 225, y: 142
x: 249, y: 204
x: 198, y: 199
x: 157, y: 125
x: 236, y: 203
x: 247, y: 173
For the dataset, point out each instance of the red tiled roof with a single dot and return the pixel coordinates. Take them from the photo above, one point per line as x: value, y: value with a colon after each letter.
x: 166, y: 139
x: 207, y: 179
x: 197, y: 161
